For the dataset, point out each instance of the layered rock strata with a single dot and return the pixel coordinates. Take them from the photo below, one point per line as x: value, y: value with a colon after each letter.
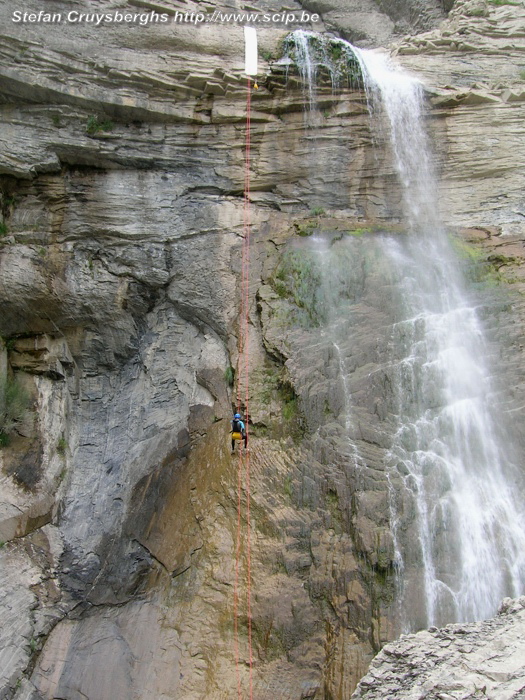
x: 120, y: 263
x: 485, y: 659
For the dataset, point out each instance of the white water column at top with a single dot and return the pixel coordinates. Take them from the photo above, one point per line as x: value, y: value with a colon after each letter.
x: 311, y: 53
x: 456, y: 469
x: 401, y: 97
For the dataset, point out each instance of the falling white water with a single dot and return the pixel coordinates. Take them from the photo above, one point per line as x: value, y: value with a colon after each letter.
x: 314, y: 54
x: 400, y: 97
x: 450, y: 477
x: 306, y: 65
x: 346, y: 393
x: 470, y: 524
x: 332, y: 278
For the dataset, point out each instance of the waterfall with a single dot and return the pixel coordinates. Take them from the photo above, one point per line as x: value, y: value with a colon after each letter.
x: 333, y: 277
x: 470, y: 525
x: 306, y: 64
x: 317, y: 58
x: 448, y: 457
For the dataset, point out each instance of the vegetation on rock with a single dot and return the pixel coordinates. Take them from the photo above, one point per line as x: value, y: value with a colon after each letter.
x: 332, y: 59
x: 94, y: 125
x: 14, y: 402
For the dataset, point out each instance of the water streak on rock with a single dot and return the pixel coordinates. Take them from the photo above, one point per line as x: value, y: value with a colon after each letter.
x: 471, y: 535
x: 448, y: 454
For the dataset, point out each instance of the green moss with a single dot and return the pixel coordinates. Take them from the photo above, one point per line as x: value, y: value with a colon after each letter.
x: 280, y: 289
x: 274, y: 393
x: 290, y: 409
x: 299, y: 278
x: 486, y: 270
x: 305, y: 228
x: 8, y: 203
x: 480, y: 11
x: 271, y: 377
x: 317, y: 211
x: 287, y: 486
x: 229, y: 375
x: 384, y: 564
x: 267, y: 55
x: 499, y: 260
x: 14, y: 402
x: 336, y: 52
x: 289, y: 400
x: 3, y: 228
x: 291, y: 416
x: 331, y: 58
x: 62, y: 446
x: 94, y: 125
x: 225, y: 623
x: 465, y: 250
x: 375, y: 228
x: 258, y: 430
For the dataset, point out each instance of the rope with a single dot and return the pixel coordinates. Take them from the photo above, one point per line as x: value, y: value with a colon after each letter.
x: 243, y: 469
x: 236, y: 585
x: 246, y: 363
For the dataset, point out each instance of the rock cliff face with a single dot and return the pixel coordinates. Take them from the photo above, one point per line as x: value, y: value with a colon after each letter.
x: 485, y: 659
x: 478, y: 54
x: 122, y: 217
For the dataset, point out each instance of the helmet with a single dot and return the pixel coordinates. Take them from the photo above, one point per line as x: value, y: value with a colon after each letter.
x: 237, y: 415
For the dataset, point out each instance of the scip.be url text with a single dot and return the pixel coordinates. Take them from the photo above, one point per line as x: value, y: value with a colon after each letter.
x: 250, y: 18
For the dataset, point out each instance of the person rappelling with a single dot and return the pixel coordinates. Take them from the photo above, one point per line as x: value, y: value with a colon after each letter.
x: 238, y: 432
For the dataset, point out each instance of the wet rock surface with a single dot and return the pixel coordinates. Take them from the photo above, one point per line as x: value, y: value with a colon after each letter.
x: 121, y: 196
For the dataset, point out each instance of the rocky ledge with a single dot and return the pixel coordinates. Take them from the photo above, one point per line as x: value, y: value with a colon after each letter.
x: 479, y: 660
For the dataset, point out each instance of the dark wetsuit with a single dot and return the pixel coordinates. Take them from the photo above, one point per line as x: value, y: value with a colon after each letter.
x: 242, y: 431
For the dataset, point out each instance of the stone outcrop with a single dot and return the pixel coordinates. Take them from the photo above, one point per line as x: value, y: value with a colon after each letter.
x: 121, y: 198
x: 376, y: 24
x: 484, y: 659
x: 474, y: 64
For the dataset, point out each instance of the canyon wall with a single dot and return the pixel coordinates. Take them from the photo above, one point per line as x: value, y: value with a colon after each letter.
x: 121, y: 177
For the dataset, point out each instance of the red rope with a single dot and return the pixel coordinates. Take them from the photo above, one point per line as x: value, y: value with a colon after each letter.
x: 244, y: 456
x: 246, y: 364
x: 236, y: 585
